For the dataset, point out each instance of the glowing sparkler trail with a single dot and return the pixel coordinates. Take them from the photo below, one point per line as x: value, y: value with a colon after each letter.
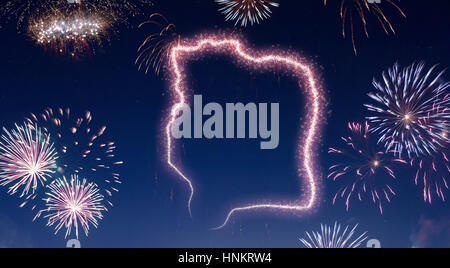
x: 27, y: 159
x: 365, y: 168
x: 406, y: 114
x: 337, y: 237
x: 73, y: 203
x: 247, y: 11
x: 188, y: 49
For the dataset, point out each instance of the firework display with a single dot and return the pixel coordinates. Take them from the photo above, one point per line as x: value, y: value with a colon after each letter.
x: 365, y: 169
x: 334, y: 237
x: 27, y: 160
x: 410, y: 114
x: 264, y: 145
x: 83, y: 148
x: 246, y: 12
x: 363, y: 9
x: 73, y: 204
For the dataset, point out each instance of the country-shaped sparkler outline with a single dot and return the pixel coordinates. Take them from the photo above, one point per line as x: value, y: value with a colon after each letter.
x: 183, y: 50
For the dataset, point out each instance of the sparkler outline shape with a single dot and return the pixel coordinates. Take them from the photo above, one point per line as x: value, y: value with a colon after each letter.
x: 183, y: 50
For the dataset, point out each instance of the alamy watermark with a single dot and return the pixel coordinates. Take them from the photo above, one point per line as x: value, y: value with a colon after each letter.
x: 229, y: 123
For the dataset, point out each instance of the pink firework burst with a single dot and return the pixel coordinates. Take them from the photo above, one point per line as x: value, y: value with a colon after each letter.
x: 27, y: 159
x: 74, y: 203
x: 364, y: 169
x: 182, y: 51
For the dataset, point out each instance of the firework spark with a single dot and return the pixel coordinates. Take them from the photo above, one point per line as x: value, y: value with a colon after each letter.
x: 82, y: 146
x: 74, y: 203
x: 408, y: 114
x: 27, y: 159
x: 189, y: 49
x: 246, y: 11
x: 336, y: 237
x: 362, y: 8
x: 155, y: 49
x: 367, y: 170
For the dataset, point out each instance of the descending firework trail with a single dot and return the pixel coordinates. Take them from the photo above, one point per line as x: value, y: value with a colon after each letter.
x: 190, y: 49
x: 27, y: 159
x: 364, y: 169
x: 408, y: 116
x: 362, y: 9
x: 74, y: 203
x: 83, y: 147
x: 156, y: 47
x: 337, y: 237
x: 246, y: 11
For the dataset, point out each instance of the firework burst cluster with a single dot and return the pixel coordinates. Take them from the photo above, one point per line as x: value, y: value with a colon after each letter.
x: 408, y: 125
x: 38, y: 156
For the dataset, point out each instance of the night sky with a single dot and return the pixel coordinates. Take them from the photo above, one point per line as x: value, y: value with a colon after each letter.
x: 150, y: 210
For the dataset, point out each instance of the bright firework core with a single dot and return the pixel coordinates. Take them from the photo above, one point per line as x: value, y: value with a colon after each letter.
x: 77, y: 29
x: 70, y: 35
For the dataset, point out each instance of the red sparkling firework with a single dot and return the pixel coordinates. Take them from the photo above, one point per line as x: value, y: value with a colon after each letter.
x: 264, y: 60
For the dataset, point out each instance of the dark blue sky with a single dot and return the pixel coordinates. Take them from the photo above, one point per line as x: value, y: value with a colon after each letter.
x: 150, y: 210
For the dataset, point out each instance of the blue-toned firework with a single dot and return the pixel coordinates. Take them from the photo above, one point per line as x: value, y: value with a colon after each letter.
x: 334, y: 237
x: 409, y: 110
x: 364, y: 169
x: 73, y: 204
x: 27, y: 160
